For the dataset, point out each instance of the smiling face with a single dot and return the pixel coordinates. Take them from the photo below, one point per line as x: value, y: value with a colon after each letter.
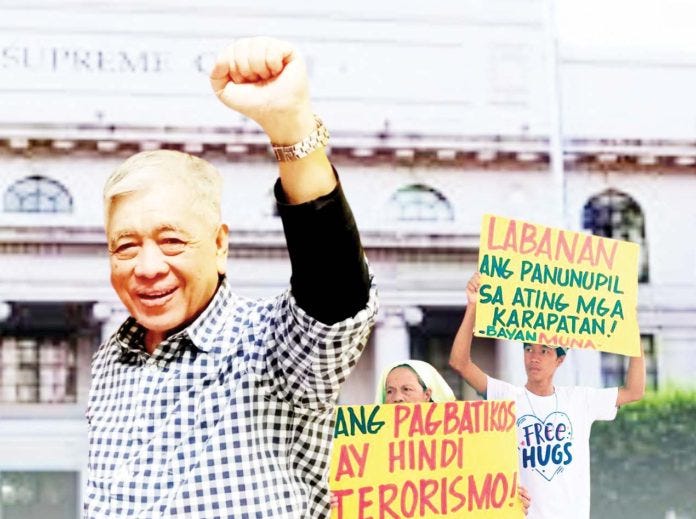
x: 165, y: 256
x: 402, y: 386
x: 540, y: 362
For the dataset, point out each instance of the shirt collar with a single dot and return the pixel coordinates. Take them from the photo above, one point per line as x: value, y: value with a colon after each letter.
x: 201, y: 332
x: 205, y: 329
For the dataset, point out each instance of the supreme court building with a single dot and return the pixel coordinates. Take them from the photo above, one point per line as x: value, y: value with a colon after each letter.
x: 439, y: 113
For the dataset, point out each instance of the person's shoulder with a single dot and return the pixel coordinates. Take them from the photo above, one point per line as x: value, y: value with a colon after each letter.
x: 496, y: 388
x: 582, y: 392
x: 572, y: 391
x: 108, y: 352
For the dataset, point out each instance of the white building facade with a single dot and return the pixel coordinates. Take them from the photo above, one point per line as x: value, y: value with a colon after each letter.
x: 438, y: 114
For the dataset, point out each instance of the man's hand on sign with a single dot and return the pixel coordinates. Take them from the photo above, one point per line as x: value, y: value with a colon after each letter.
x: 472, y: 288
x: 334, y: 500
x: 524, y: 497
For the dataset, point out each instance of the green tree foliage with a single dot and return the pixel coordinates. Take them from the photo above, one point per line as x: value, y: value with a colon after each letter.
x: 644, y: 462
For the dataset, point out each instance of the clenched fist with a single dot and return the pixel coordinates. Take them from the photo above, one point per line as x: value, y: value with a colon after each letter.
x: 266, y: 80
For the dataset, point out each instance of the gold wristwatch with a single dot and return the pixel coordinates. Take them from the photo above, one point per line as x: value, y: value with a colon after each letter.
x: 319, y: 138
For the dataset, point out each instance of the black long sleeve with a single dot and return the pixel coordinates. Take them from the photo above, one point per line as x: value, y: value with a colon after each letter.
x: 330, y: 279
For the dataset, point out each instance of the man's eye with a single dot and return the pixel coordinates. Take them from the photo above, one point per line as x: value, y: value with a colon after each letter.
x: 172, y: 245
x: 126, y: 250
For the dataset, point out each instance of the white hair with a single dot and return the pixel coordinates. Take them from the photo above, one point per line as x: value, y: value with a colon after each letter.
x: 143, y: 170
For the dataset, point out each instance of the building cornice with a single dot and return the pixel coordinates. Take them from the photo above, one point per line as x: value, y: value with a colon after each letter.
x: 389, y: 239
x: 38, y: 239
x: 468, y: 152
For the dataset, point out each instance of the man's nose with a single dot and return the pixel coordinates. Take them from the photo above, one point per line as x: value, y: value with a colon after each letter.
x: 534, y: 356
x: 150, y: 261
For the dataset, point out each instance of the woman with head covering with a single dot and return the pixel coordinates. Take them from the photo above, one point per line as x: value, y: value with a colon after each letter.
x: 412, y: 381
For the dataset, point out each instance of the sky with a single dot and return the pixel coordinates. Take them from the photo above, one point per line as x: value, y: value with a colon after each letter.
x: 662, y: 26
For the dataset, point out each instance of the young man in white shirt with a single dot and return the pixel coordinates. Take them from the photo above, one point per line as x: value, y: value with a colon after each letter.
x: 553, y: 422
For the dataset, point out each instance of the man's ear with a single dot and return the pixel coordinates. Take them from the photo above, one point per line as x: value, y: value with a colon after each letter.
x: 559, y: 360
x: 222, y: 243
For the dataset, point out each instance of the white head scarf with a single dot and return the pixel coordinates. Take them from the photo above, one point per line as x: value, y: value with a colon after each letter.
x: 439, y: 390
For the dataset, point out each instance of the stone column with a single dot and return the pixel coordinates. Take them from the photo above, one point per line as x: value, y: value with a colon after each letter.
x: 5, y: 311
x: 509, y: 362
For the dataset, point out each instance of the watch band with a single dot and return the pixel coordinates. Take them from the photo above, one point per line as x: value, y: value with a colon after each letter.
x: 319, y: 138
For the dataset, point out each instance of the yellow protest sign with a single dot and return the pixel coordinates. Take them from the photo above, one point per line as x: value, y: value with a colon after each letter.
x: 557, y: 287
x: 452, y: 459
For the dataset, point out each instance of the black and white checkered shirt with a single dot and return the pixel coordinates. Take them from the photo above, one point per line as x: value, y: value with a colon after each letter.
x: 230, y: 417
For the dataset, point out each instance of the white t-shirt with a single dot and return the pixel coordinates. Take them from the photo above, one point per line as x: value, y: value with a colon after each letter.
x: 553, y: 440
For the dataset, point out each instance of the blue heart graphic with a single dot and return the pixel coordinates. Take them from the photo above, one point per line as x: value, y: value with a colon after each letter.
x: 554, y: 419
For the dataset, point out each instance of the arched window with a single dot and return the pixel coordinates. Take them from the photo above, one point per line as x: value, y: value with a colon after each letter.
x: 421, y: 203
x: 614, y: 214
x: 37, y: 194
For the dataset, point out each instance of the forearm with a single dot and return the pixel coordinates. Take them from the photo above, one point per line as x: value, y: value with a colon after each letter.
x: 460, y: 356
x: 330, y: 279
x: 634, y: 385
x: 635, y: 377
x: 309, y: 177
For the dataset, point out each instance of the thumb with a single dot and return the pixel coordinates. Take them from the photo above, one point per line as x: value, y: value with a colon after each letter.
x: 238, y: 96
x: 220, y: 76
